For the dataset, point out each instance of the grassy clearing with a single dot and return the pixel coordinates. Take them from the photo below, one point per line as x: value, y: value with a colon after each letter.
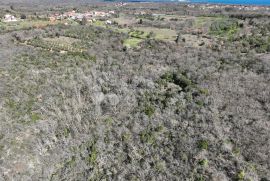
x: 121, y: 30
x: 65, y: 41
x: 57, y: 44
x: 99, y: 23
x: 168, y: 17
x: 132, y: 42
x: 79, y: 33
x: 160, y: 34
x: 138, y: 34
x: 124, y: 21
x: 142, y: 33
x: 203, y: 21
x: 27, y: 24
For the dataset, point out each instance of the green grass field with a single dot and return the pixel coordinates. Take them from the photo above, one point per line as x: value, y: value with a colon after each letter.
x: 58, y: 44
x: 132, y: 42
x: 160, y: 34
x: 26, y: 24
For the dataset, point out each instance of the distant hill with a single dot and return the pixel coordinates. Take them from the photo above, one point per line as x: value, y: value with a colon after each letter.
x: 50, y: 2
x: 45, y: 2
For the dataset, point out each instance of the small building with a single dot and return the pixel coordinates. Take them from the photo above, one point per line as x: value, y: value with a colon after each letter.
x: 79, y: 17
x: 100, y: 13
x: 108, y: 22
x: 9, y: 18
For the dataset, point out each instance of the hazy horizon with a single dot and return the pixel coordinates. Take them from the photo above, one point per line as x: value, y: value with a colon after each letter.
x: 249, y: 2
x: 36, y: 2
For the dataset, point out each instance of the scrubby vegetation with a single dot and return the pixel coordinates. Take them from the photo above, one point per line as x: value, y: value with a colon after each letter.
x: 106, y: 102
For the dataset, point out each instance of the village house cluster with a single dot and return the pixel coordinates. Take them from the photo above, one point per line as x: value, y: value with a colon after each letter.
x: 73, y: 15
x: 120, y: 4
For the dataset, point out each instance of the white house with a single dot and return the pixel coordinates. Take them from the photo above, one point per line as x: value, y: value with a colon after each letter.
x: 9, y: 18
x: 108, y: 22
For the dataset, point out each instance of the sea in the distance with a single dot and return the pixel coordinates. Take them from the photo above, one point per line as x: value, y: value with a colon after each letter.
x: 244, y: 2
x: 238, y: 2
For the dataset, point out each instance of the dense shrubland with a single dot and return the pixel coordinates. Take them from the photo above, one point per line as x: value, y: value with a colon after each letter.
x: 77, y: 103
x: 159, y: 111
